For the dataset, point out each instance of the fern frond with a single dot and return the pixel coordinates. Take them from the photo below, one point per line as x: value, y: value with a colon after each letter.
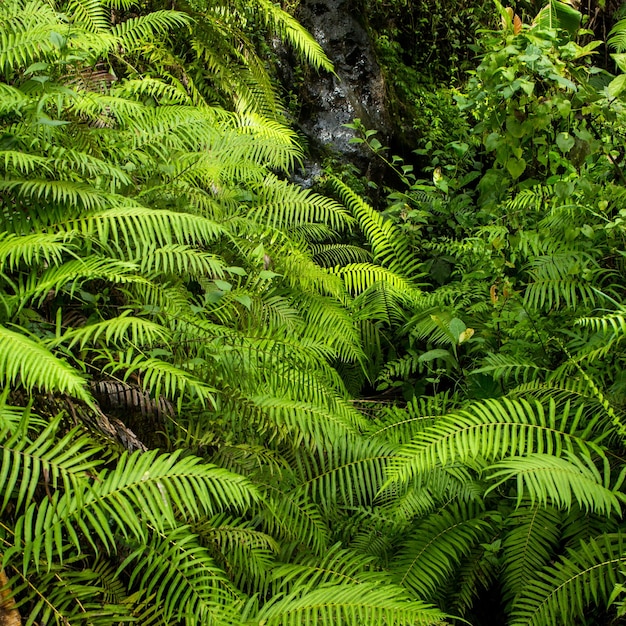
x: 352, y: 473
x: 162, y: 378
x: 558, y: 481
x: 617, y: 36
x: 531, y: 537
x: 507, y: 366
x: 437, y: 545
x: 389, y: 247
x: 295, y: 517
x: 180, y: 260
x: 34, y: 248
x: 63, y: 463
x: 247, y: 554
x: 27, y: 362
x: 330, y: 255
x: 491, y: 430
x: 337, y: 565
x: 164, y: 93
x: 71, y: 275
x: 68, y: 593
x: 12, y: 100
x: 368, y: 603
x: 290, y: 29
x: 281, y: 204
x: 557, y: 280
x: 120, y: 330
x: 89, y: 14
x: 560, y: 593
x: 131, y: 32
x: 63, y: 192
x: 179, y: 574
x: 145, y: 489
x: 136, y: 226
x: 359, y: 277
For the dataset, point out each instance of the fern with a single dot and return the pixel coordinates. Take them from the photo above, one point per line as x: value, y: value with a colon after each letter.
x: 530, y: 540
x: 143, y: 489
x: 491, y: 430
x: 550, y: 480
x: 27, y: 362
x: 349, y: 604
x: 437, y: 544
x: 179, y: 575
x: 560, y: 592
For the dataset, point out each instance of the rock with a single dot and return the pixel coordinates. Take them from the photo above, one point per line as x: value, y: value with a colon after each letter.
x: 356, y: 91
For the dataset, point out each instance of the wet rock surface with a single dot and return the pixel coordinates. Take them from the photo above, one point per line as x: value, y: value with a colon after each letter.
x: 356, y: 91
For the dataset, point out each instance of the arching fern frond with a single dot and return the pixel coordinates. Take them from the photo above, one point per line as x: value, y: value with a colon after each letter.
x: 561, y: 592
x: 491, y: 430
x: 27, y: 362
x: 131, y: 32
x: 178, y: 572
x: 437, y: 545
x: 122, y: 330
x: 350, y: 604
x: 359, y: 277
x: 289, y: 28
x: 389, y: 246
x: 33, y: 248
x: 558, y: 481
x: 144, y: 490
x: 64, y: 463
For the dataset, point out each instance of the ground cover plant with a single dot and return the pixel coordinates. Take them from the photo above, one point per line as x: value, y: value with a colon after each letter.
x: 227, y: 399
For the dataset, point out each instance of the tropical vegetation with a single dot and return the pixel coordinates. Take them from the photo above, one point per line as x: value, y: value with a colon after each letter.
x: 231, y: 400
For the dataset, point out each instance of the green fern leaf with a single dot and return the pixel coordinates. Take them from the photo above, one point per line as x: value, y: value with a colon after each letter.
x: 437, y: 545
x: 368, y: 603
x: 27, y: 362
x: 491, y: 430
x: 550, y: 480
x: 561, y: 592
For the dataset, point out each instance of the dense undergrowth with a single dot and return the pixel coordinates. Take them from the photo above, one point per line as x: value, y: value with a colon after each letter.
x: 230, y: 400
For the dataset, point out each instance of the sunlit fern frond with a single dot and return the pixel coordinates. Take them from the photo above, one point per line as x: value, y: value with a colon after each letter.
x: 491, y: 430
x: 283, y: 205
x: 144, y: 490
x: 389, y: 246
x: 290, y: 29
x: 132, y: 31
x: 89, y: 14
x: 350, y: 604
x: 27, y: 362
x: 559, y: 482
x: 617, y: 36
x: 123, y: 330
